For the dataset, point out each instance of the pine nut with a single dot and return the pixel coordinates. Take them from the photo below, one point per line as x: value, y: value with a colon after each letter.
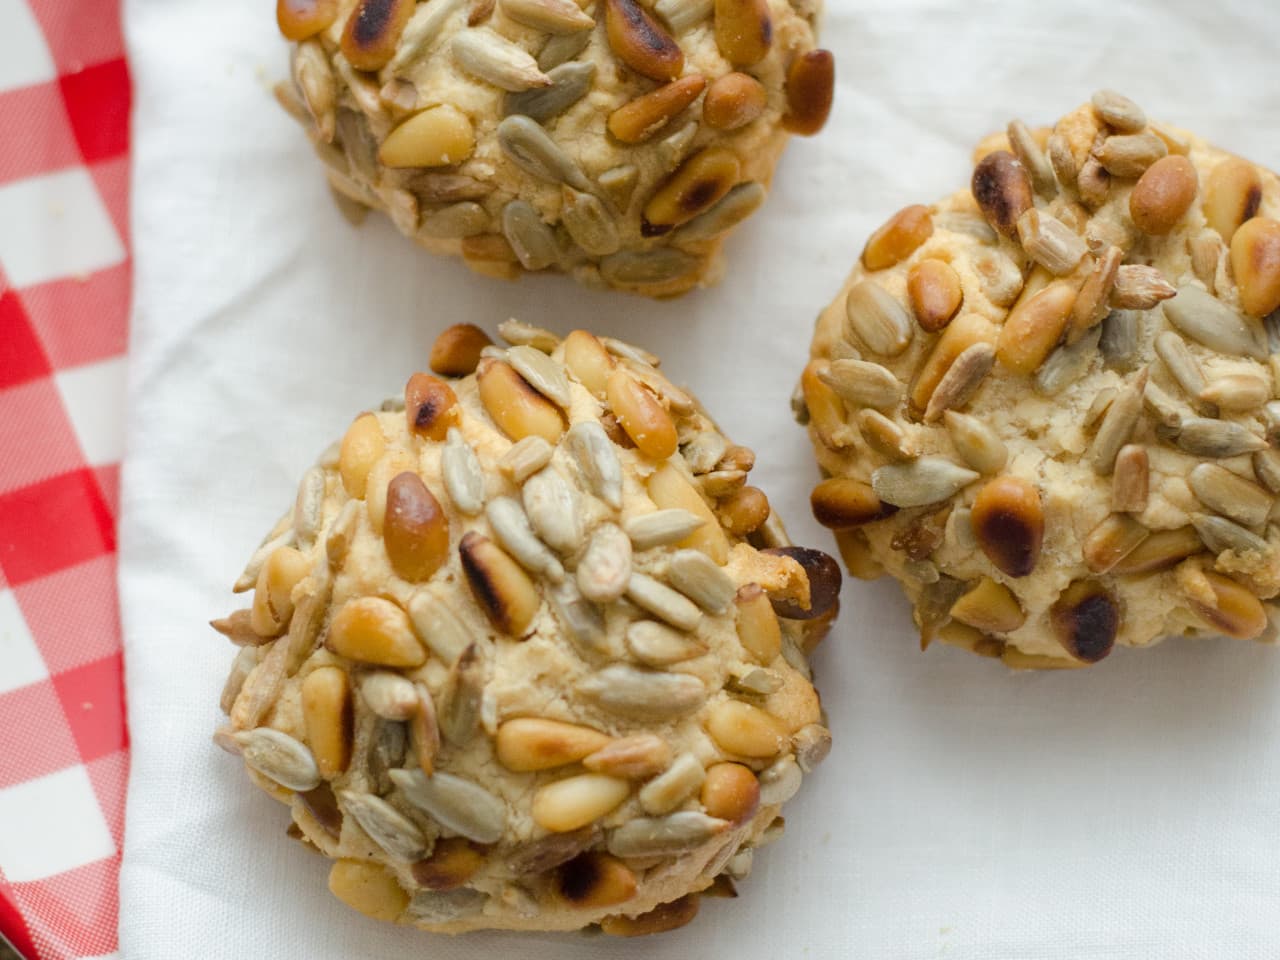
x: 528, y: 744
x: 1226, y: 605
x: 326, y: 711
x: 595, y: 879
x: 1008, y: 522
x: 1003, y: 191
x: 637, y: 757
x: 301, y: 19
x: 990, y: 607
x: 811, y: 83
x: 698, y: 185
x: 1129, y: 483
x: 1255, y: 261
x: 648, y: 425
x: 395, y: 462
x: 430, y: 406
x: 733, y: 101
x: 744, y: 30
x: 962, y: 333
x: 1232, y: 195
x: 839, y: 503
x: 1111, y: 541
x: 747, y: 731
x: 588, y: 361
x: 373, y: 630
x: 934, y: 290
x: 273, y: 595
x: 1085, y: 619
x: 368, y: 887
x: 453, y: 861
x: 758, y: 629
x: 899, y: 237
x: 743, y: 513
x: 440, y: 136
x: 456, y: 352
x: 415, y: 530
x: 516, y: 408
x: 503, y: 590
x: 577, y: 801
x: 1034, y: 327
x: 641, y: 118
x: 1163, y: 195
x: 373, y: 31
x: 669, y: 490
x: 1162, y: 550
x: 362, y: 447
x: 664, y: 917
x: 730, y: 792
x: 640, y: 42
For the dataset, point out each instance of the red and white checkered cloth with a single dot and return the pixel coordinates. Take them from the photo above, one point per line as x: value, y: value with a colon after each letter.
x: 64, y: 307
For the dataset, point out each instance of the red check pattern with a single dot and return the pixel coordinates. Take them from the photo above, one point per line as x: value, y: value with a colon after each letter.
x: 64, y: 307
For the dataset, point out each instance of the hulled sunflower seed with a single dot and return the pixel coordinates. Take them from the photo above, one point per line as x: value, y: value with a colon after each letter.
x: 1000, y: 277
x: 278, y: 756
x: 246, y: 659
x: 1217, y: 439
x: 517, y: 333
x: 249, y: 577
x: 863, y: 383
x: 1129, y: 155
x: 920, y: 482
x: 456, y: 804
x: 1271, y: 421
x: 1050, y: 242
x: 445, y: 906
x: 780, y: 781
x: 511, y: 527
x: 389, y: 695
x: 314, y: 77
x: 422, y: 31
x: 1118, y: 111
x: 549, y: 16
x: 495, y: 59
x: 532, y: 240
x: 455, y: 222
x: 629, y: 351
x: 1212, y: 323
x: 605, y: 568
x: 1111, y: 541
x: 619, y: 184
x: 1119, y: 343
x: 551, y: 851
x: 553, y: 509
x: 582, y: 620
x: 670, y: 788
x: 704, y: 451
x: 562, y: 48
x: 978, y: 445
x: 885, y: 436
x: 463, y: 478
x: 531, y: 148
x: 459, y: 712
x: 683, y: 15
x: 1266, y: 467
x: 661, y: 527
x: 386, y: 826
x: 729, y: 211
x: 597, y: 460
x: 1129, y: 483
x: 1139, y: 287
x: 663, y: 602
x: 438, y: 626
x: 665, y: 837
x: 1032, y: 158
x: 1182, y: 366
x: 1067, y: 364
x: 876, y: 320
x: 541, y: 372
x: 1220, y: 534
x: 1117, y: 426
x: 961, y: 380
x: 308, y: 508
x: 1237, y: 392
x: 754, y: 680
x: 657, y: 645
x: 525, y: 459
x: 1168, y: 413
x: 702, y: 580
x: 1230, y: 495
x: 642, y: 267
x: 589, y: 223
x: 643, y: 694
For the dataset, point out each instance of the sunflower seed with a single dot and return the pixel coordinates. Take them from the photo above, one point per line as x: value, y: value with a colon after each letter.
x: 278, y: 756
x: 704, y: 451
x: 874, y: 319
x: 1050, y: 242
x: 582, y: 620
x: 1236, y: 392
x: 463, y: 477
x: 1032, y: 158
x: 386, y: 826
x: 666, y: 836
x: 863, y: 383
x: 661, y: 527
x: 422, y: 31
x: 431, y: 907
x: 1000, y: 277
x: 605, y: 568
x: 1067, y: 364
x: 1168, y: 413
x: 456, y: 804
x: 1182, y: 366
x: 1271, y: 421
x: 261, y: 688
x: 1232, y: 496
x: 663, y: 602
x: 657, y: 645
x: 551, y: 851
x: 721, y: 483
x: 729, y: 211
x: 619, y: 184
x: 314, y: 77
x: 249, y: 577
x: 562, y: 48
x: 597, y: 460
x: 437, y: 188
x: 1139, y: 287
x: 885, y: 436
x: 549, y: 16
x: 531, y: 239
x: 1266, y: 467
x: 1130, y: 482
x: 460, y: 701
x: 494, y: 59
x: 569, y: 84
x: 1119, y: 343
x: 389, y: 695
x: 640, y: 267
x: 920, y: 482
x: 511, y: 527
x: 1117, y: 425
x: 643, y: 694
x: 525, y: 459
x: 1118, y: 111
x: 455, y: 222
x: 1217, y: 439
x: 670, y: 788
x: 532, y: 150
x: 961, y: 380
x: 308, y: 508
x: 754, y: 680
x: 978, y: 445
x: 553, y: 509
x: 591, y: 226
x: 811, y: 743
x: 1220, y: 534
x: 780, y: 781
x: 1212, y: 323
x: 673, y: 148
x: 542, y: 373
x: 438, y: 626
x: 388, y: 746
x: 702, y: 580
x: 681, y: 15
x: 424, y: 730
x: 246, y: 659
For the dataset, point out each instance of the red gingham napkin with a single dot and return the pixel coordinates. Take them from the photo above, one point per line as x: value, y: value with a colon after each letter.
x: 64, y: 307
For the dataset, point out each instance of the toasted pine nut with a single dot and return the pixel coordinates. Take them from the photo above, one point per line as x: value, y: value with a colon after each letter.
x: 367, y: 886
x: 744, y: 512
x: 670, y: 490
x: 453, y: 861
x: 1034, y: 327
x: 430, y: 406
x: 1163, y: 194
x: 373, y: 31
x: 503, y: 590
x: 934, y: 290
x: 326, y: 711
x: 1229, y: 607
x: 811, y: 84
x: 744, y: 30
x: 898, y: 237
x: 373, y: 630
x: 532, y: 743
x: 697, y: 186
x: 733, y: 101
x: 574, y: 802
x: 664, y: 917
x: 990, y: 607
x: 439, y: 136
x: 1255, y: 260
x: 758, y: 628
x: 648, y: 425
x: 730, y: 792
x: 301, y: 19
x: 518, y: 410
x: 415, y: 531
x: 595, y: 879
x: 639, y: 119
x: 588, y: 360
x: 362, y: 447
x: 1232, y: 195
x: 456, y: 351
x: 962, y: 333
x: 739, y: 728
x: 639, y: 41
x: 273, y: 594
x: 1008, y: 523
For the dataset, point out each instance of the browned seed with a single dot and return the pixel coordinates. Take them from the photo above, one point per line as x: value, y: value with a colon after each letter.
x: 1091, y: 306
x: 503, y: 590
x: 1035, y: 326
x: 641, y: 42
x: 824, y: 576
x: 1093, y: 183
x: 1130, y: 481
x: 899, y: 237
x: 453, y: 861
x: 430, y: 406
x: 664, y: 917
x: 811, y: 81
x: 701, y: 181
x: 1139, y: 287
x: 300, y: 19
x: 743, y: 512
x: 1118, y: 111
x: 1117, y: 425
x: 1111, y: 541
x: 641, y: 118
x: 961, y: 381
x: 744, y: 30
x: 1232, y: 195
x: 1003, y: 190
x: 238, y: 629
x: 1163, y: 194
x: 595, y: 879
x: 990, y: 607
x: 1032, y: 158
x: 1162, y: 550
x: 733, y: 101
x: 1008, y: 522
x: 456, y: 351
x: 1130, y: 154
x: 1255, y: 261
x: 1086, y: 618
x: 373, y: 30
x: 1227, y: 606
x: 1049, y: 242
x: 730, y: 792
x: 936, y: 295
x: 415, y: 530
x: 842, y: 502
x: 1231, y: 495
x: 323, y: 807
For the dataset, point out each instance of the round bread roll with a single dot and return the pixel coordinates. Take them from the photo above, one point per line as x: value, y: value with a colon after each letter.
x: 615, y: 140
x: 1046, y: 405
x: 527, y: 652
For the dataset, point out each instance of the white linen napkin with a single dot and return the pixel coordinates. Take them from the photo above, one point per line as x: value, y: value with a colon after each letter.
x: 1128, y: 811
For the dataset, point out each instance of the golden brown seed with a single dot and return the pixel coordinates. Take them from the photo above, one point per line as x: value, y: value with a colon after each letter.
x: 326, y: 711
x: 453, y: 861
x: 825, y: 408
x: 367, y: 886
x: 595, y: 879
x: 841, y: 502
x: 962, y: 333
x: 373, y: 630
x: 1232, y: 195
x: 742, y: 729
x: 1003, y: 191
x: 588, y: 360
x: 362, y: 447
x: 1163, y: 550
x: 300, y: 19
x: 488, y: 248
x: 1255, y: 261
x: 1131, y: 480
x: 518, y: 410
x: 373, y: 30
x: 1111, y: 541
x: 637, y: 121
x: 415, y: 530
x: 744, y: 30
x: 668, y: 489
x: 392, y: 464
x: 898, y: 238
x: 743, y: 512
x: 503, y: 590
x: 1034, y: 327
x: 730, y: 792
x: 990, y: 607
x: 758, y: 628
x: 439, y: 136
x: 1085, y: 618
x: 273, y: 594
x: 1163, y: 194
x: 639, y: 41
x: 574, y: 802
x: 733, y: 101
x: 811, y: 84
x: 644, y: 419
x: 430, y: 406
x: 1229, y: 607
x: 532, y: 743
x: 424, y: 729
x: 1008, y: 523
x: 856, y: 553
x: 935, y: 293
x: 664, y: 917
x: 456, y: 351
x: 636, y: 757
x: 700, y: 182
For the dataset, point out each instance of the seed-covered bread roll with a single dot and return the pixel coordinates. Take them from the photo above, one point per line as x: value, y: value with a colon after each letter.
x: 1046, y: 405
x: 615, y: 140
x: 527, y: 652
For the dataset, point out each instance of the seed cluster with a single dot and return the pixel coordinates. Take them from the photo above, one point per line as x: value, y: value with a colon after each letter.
x: 1048, y: 405
x: 528, y: 651
x: 613, y: 140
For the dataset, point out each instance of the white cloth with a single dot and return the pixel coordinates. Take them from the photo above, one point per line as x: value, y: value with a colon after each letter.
x: 1129, y: 811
